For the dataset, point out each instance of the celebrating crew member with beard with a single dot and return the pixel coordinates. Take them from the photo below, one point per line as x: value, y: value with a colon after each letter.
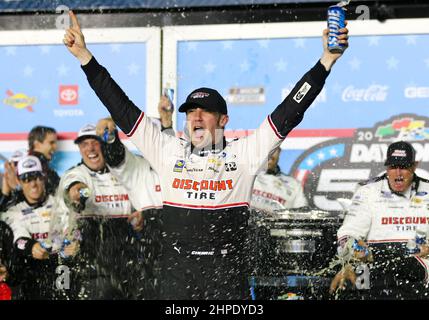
x: 206, y: 182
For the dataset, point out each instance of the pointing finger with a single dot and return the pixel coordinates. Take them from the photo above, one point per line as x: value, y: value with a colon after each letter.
x: 75, y: 22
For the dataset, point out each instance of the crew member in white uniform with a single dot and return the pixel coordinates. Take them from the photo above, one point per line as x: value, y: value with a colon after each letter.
x: 30, y: 223
x: 97, y: 208
x: 274, y: 191
x: 385, y: 213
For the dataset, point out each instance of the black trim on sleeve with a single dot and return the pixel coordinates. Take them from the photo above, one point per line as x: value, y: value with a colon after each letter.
x: 123, y: 111
x: 291, y: 111
x: 165, y: 128
x: 114, y: 153
x: 168, y: 130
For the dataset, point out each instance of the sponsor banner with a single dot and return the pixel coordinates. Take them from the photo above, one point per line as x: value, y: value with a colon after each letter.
x: 68, y: 94
x: 42, y: 85
x: 248, y: 95
x: 332, y: 169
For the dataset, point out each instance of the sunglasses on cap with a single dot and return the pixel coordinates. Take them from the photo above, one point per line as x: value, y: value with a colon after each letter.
x: 30, y: 176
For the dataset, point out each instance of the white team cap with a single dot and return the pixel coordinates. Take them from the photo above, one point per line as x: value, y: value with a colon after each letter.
x: 29, y: 164
x: 88, y: 131
x: 18, y: 155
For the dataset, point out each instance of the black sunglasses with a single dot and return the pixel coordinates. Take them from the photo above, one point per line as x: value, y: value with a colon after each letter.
x: 28, y: 177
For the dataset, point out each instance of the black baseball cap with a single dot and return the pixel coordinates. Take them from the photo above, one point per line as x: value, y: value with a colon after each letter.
x: 400, y: 153
x: 205, y: 98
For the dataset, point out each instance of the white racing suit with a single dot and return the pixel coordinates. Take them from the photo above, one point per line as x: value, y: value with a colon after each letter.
x: 274, y: 191
x: 30, y: 224
x: 140, y: 181
x: 142, y: 184
x: 206, y: 193
x: 386, y: 221
x: 106, y: 264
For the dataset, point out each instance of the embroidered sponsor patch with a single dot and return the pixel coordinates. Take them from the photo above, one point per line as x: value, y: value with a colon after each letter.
x: 21, y: 244
x: 202, y: 253
x: 302, y: 92
x: 230, y: 166
x: 199, y: 95
x: 178, y: 167
x: 399, y: 153
x: 416, y: 200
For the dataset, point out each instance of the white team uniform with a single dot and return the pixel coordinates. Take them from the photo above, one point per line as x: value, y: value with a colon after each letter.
x: 108, y: 197
x: 377, y: 215
x: 273, y: 192
x: 141, y: 182
x: 29, y: 222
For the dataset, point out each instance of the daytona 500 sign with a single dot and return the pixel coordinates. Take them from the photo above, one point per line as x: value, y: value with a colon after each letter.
x: 332, y: 169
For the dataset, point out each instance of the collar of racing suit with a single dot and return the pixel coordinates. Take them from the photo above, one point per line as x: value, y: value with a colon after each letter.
x: 414, y: 185
x: 39, y: 203
x: 204, y: 152
x: 275, y: 171
x: 104, y: 170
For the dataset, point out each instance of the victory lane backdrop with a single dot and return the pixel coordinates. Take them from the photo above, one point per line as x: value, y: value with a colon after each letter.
x: 41, y: 84
x: 374, y: 82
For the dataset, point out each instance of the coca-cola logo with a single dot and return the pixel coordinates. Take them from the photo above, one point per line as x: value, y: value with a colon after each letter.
x: 372, y: 93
